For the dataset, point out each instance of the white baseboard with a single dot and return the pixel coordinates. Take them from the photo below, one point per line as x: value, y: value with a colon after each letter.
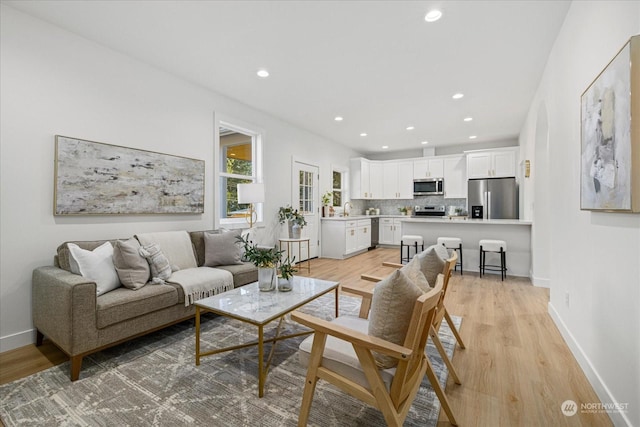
x: 17, y: 340
x: 601, y: 389
x: 541, y: 282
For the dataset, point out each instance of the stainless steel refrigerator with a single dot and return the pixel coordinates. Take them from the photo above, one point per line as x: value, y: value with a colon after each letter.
x: 493, y: 198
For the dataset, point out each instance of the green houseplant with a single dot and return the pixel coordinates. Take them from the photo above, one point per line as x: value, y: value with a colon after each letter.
x: 287, y: 268
x: 294, y: 219
x: 327, y: 200
x: 266, y: 259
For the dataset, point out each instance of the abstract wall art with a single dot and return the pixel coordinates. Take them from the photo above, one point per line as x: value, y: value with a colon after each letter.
x: 610, y: 135
x: 93, y: 178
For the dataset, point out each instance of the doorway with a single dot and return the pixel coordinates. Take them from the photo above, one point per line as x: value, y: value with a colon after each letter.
x: 305, y: 198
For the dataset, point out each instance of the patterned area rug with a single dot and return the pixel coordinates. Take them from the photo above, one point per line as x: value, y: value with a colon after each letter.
x: 153, y: 381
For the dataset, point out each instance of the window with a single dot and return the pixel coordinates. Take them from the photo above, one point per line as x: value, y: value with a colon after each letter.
x: 338, y: 187
x: 239, y: 164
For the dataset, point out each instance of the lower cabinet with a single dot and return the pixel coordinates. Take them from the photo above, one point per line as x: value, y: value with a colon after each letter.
x: 390, y: 230
x: 342, y: 238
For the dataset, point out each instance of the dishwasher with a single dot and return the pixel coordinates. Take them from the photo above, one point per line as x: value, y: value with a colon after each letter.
x: 375, y: 227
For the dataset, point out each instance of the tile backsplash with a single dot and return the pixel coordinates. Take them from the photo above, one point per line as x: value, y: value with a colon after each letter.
x: 390, y: 207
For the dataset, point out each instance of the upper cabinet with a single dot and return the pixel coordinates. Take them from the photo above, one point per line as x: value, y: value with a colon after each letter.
x: 366, y: 179
x: 455, y: 177
x: 428, y: 167
x: 496, y: 163
x: 397, y: 179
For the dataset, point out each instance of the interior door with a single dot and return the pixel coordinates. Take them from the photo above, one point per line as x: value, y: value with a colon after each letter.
x: 305, y: 198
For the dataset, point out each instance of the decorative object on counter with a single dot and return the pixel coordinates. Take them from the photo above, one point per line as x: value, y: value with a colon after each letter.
x: 327, y: 198
x: 609, y: 179
x: 266, y: 258
x: 294, y: 219
x: 403, y: 210
x: 92, y: 178
x: 287, y: 268
x: 251, y: 193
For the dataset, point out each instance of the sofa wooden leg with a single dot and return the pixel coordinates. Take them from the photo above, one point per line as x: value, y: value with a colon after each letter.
x: 76, y: 364
x: 39, y: 338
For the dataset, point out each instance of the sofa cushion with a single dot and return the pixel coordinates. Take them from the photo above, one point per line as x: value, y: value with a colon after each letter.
x: 122, y: 303
x: 222, y: 249
x: 132, y: 268
x: 391, y: 311
x: 197, y: 241
x: 175, y: 245
x: 243, y: 274
x: 96, y: 265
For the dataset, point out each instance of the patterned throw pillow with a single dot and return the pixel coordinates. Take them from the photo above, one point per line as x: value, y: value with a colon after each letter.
x: 96, y: 265
x: 159, y: 264
x: 391, y: 310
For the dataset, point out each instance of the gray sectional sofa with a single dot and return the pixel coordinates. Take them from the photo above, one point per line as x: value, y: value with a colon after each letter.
x: 67, y: 311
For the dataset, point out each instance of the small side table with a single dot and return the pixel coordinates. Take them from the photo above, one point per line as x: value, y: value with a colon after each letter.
x: 300, y: 242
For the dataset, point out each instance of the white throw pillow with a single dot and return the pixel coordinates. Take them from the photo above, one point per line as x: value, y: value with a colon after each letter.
x: 96, y: 265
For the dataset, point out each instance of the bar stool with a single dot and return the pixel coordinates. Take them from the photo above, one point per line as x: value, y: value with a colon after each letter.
x: 497, y: 246
x: 410, y: 240
x: 453, y: 243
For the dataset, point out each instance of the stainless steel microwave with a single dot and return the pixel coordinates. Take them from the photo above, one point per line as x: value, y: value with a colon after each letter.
x: 428, y: 187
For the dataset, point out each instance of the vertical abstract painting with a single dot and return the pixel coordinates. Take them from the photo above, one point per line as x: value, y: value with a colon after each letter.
x: 93, y: 178
x: 610, y: 155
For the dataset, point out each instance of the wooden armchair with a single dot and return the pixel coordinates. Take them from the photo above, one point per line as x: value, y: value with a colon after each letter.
x: 392, y: 391
x: 366, y: 293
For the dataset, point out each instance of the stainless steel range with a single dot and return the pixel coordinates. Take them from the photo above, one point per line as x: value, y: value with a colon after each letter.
x: 429, y: 210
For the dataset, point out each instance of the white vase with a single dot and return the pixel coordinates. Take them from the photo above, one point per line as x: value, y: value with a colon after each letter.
x: 267, y: 279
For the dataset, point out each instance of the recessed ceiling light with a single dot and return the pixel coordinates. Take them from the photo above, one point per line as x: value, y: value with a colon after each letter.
x: 424, y: 142
x: 457, y: 95
x: 433, y: 16
x: 473, y: 137
x: 363, y: 134
x: 384, y: 147
x: 262, y: 73
x: 338, y: 119
x: 410, y: 128
x: 468, y: 119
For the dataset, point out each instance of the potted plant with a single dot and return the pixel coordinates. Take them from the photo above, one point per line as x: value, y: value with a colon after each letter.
x: 403, y: 210
x: 327, y: 199
x: 266, y: 259
x: 294, y: 219
x: 287, y: 269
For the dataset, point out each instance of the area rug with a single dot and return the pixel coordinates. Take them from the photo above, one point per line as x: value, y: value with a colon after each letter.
x: 153, y: 381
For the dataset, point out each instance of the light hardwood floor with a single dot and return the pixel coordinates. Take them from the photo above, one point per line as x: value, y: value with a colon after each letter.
x: 515, y: 371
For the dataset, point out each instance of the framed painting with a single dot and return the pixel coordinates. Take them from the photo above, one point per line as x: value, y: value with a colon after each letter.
x: 610, y: 138
x: 92, y: 178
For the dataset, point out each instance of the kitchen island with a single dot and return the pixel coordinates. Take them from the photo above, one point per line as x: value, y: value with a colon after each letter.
x: 517, y: 234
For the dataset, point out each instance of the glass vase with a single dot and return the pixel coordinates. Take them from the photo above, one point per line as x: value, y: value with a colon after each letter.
x: 284, y: 285
x: 267, y: 279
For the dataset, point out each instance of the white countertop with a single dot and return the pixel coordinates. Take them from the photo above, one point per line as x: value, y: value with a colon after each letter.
x: 356, y: 217
x: 469, y: 221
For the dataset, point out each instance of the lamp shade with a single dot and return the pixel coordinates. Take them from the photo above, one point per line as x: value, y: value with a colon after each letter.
x: 250, y: 193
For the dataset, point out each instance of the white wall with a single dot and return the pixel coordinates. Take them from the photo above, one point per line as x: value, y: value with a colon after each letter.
x: 594, y: 257
x: 54, y: 82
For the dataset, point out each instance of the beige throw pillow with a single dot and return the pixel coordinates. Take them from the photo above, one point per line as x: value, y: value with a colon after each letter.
x: 413, y: 271
x: 132, y: 268
x: 442, y: 251
x: 222, y: 249
x: 96, y: 265
x: 391, y: 310
x: 158, y: 263
x: 431, y: 263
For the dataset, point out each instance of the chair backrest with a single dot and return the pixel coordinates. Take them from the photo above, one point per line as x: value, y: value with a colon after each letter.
x: 410, y: 371
x: 447, y: 272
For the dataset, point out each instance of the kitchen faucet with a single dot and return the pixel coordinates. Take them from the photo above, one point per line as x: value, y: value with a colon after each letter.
x: 344, y: 209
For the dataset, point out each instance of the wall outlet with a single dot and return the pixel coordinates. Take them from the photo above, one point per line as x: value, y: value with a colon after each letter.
x: 566, y: 298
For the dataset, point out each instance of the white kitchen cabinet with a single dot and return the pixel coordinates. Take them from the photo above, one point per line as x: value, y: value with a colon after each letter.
x: 428, y: 167
x: 363, y: 232
x: 497, y: 163
x: 351, y: 239
x: 397, y: 179
x: 455, y: 177
x: 390, y: 231
x: 366, y: 178
x: 342, y: 238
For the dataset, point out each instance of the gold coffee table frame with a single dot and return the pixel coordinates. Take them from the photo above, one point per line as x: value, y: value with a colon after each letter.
x: 249, y: 305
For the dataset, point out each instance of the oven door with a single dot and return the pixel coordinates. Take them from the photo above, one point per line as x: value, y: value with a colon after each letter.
x: 428, y: 187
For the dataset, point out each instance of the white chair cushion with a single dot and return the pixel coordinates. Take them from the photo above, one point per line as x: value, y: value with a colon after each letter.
x: 450, y: 242
x: 493, y: 245
x: 339, y: 355
x: 409, y: 239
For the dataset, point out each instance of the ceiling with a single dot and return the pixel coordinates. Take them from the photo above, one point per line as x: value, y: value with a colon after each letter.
x: 377, y: 64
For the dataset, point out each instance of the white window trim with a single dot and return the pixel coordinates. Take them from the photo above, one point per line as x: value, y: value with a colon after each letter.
x: 345, y: 181
x: 258, y: 135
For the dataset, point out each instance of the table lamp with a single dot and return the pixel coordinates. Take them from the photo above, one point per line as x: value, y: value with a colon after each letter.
x: 251, y: 193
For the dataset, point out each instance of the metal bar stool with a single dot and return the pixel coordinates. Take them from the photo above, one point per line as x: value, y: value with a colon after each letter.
x: 453, y: 243
x: 409, y: 241
x: 497, y: 246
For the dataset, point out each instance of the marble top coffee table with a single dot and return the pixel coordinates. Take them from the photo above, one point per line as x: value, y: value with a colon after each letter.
x: 248, y: 304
